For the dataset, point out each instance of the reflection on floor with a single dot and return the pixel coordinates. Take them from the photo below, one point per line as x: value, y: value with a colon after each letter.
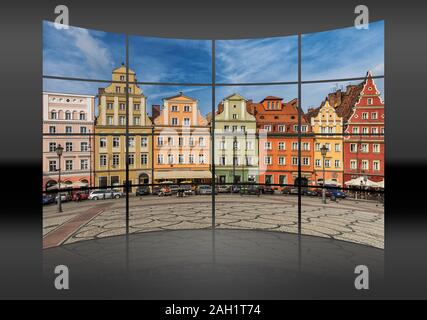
x: 206, y: 264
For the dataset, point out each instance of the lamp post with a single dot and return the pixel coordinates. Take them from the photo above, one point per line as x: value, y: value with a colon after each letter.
x: 365, y: 180
x: 323, y: 151
x: 59, y: 150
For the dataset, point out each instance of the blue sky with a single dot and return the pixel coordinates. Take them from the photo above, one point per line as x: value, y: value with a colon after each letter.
x: 341, y: 53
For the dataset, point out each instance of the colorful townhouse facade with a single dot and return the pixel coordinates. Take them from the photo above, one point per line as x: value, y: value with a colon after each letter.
x: 364, y: 135
x: 181, y: 141
x: 68, y: 120
x: 328, y: 127
x: 110, y: 130
x: 236, y: 145
x: 277, y: 128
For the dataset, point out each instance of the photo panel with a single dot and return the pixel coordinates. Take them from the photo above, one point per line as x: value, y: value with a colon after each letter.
x: 261, y: 60
x: 81, y: 53
x: 343, y: 53
x: 343, y: 199
x: 174, y: 182
x: 83, y: 159
x: 256, y: 129
x: 165, y: 60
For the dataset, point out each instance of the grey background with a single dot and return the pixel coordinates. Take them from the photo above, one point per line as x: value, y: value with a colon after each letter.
x: 20, y: 138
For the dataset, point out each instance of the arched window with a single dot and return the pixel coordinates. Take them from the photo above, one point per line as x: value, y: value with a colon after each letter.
x: 82, y: 116
x: 67, y: 115
x: 53, y: 114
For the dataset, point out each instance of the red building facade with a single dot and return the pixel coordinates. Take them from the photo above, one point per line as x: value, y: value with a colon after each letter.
x: 364, y: 139
x: 277, y: 128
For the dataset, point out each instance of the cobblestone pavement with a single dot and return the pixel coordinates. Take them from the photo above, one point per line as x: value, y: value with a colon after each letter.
x: 348, y: 220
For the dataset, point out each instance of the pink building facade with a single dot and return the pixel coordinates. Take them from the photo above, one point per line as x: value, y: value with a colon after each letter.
x: 68, y: 120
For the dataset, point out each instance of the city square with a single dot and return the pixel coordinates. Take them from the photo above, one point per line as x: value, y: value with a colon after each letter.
x: 357, y: 221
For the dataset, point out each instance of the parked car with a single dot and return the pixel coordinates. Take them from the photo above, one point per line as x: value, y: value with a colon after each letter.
x: 156, y: 191
x: 333, y: 191
x: 289, y: 190
x: 80, y: 195
x: 142, y: 191
x: 267, y: 189
x: 165, y: 191
x: 105, y: 194
x: 48, y: 199
x: 64, y: 197
x: 310, y: 192
x: 204, y: 189
x: 174, y: 188
x: 223, y: 188
x: 186, y: 189
x: 251, y: 189
x: 235, y: 188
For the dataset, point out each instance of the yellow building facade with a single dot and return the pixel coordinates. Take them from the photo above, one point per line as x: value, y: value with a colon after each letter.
x: 328, y: 127
x: 110, y: 133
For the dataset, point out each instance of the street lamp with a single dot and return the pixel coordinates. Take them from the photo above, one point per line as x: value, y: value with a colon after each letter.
x: 59, y: 150
x: 323, y: 151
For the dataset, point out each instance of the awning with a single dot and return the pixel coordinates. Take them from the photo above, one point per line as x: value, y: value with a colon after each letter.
x: 183, y: 174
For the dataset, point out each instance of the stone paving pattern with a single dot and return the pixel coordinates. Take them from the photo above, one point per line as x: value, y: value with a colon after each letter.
x: 348, y: 220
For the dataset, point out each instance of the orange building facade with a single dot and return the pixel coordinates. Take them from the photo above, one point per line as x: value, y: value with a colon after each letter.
x: 181, y: 141
x: 277, y: 124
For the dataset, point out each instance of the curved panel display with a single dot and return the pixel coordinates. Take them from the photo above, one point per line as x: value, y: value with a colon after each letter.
x: 201, y: 134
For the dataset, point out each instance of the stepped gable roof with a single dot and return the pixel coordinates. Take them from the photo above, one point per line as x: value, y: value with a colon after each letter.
x: 349, y: 99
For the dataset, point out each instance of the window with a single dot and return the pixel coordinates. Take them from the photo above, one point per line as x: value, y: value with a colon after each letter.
x: 52, y: 146
x: 109, y: 105
x: 144, y: 142
x: 83, y: 130
x: 186, y: 121
x: 122, y: 78
x: 355, y: 130
x: 337, y: 147
x: 234, y: 116
x: 68, y: 165
x: 353, y: 147
x: 160, y: 159
x: 84, y: 146
x: 191, y: 141
x: 84, y: 164
x: 82, y: 116
x: 52, y: 129
x: 174, y: 121
x: 180, y: 158
x: 160, y: 141
x: 317, y: 163
x: 294, y: 145
x: 327, y: 163
x: 53, y: 115
x: 201, y: 141
x: 190, y: 158
x: 116, y: 160
x: 68, y: 146
x: 236, y: 161
x: 103, y: 142
x: 222, y: 160
x: 281, y: 128
x: 353, y: 164
x: 376, y: 148
x: 174, y: 108
x: 304, y: 128
x: 187, y: 109
x: 131, y: 159
x: 67, y: 115
x: 267, y: 145
x: 122, y: 120
x: 267, y: 160
x: 116, y: 142
x: 374, y: 115
x: 337, y: 163
x: 370, y: 101
x: 249, y: 161
x: 305, y: 161
x: 180, y: 141
x: 226, y: 128
x: 52, y: 165
x: 306, y: 146
x: 170, y: 141
x: 365, y: 164
x: 234, y: 128
x: 68, y: 129
x: 131, y: 142
x: 364, y: 147
x: 201, y: 158
x: 144, y: 159
x: 136, y: 106
x: 365, y: 130
x: 103, y: 160
x: 317, y: 146
x: 170, y: 158
x: 376, y: 165
x: 294, y: 161
x: 282, y: 161
x: 364, y: 115
x: 136, y: 121
x: 328, y: 146
x: 374, y: 130
x: 122, y: 106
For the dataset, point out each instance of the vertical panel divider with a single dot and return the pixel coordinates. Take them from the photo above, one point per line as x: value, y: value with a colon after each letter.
x: 299, y: 133
x: 213, y: 182
x: 127, y: 136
